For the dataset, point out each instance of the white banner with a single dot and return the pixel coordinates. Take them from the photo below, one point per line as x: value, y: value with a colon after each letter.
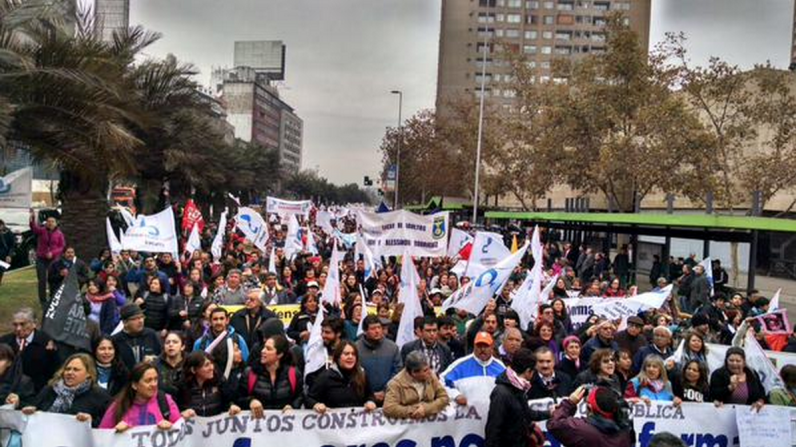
x: 323, y: 219
x: 152, y: 234
x: 458, y: 426
x: 16, y: 189
x: 288, y: 207
x: 396, y: 232
x: 253, y: 226
x: 624, y: 307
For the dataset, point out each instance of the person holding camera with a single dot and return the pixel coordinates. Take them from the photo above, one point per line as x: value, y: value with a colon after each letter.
x: 607, y: 424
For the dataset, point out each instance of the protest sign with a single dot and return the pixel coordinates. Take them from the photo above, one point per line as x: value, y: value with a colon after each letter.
x: 288, y: 207
x: 775, y: 323
x: 65, y: 319
x: 152, y: 234
x: 393, y: 233
x: 16, y: 189
x: 770, y: 426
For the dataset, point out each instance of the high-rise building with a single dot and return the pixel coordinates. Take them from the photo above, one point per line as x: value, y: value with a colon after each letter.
x: 793, y: 41
x: 258, y: 114
x: 541, y: 29
x: 110, y: 16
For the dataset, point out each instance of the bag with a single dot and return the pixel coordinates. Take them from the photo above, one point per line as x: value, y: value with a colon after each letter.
x: 163, y: 405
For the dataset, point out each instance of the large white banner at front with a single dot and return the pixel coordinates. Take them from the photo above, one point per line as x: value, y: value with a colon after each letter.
x: 287, y: 207
x: 397, y: 232
x: 16, y: 189
x: 696, y: 424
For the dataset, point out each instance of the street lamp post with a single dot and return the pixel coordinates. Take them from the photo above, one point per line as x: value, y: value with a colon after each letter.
x: 480, y: 121
x: 400, y: 143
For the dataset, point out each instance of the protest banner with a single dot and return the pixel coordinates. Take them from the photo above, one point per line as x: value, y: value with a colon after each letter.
x: 393, y: 233
x: 771, y: 426
x: 625, y: 307
x: 775, y: 323
x: 152, y: 234
x: 16, y: 189
x: 458, y: 426
x: 285, y: 312
x: 65, y: 319
x: 288, y: 207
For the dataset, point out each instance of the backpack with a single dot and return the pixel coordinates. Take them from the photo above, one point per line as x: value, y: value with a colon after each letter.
x: 291, y: 377
x: 163, y: 405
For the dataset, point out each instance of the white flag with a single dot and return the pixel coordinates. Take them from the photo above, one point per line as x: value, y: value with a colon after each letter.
x: 272, y: 261
x: 773, y: 305
x: 625, y: 307
x: 412, y: 307
x: 477, y: 293
x: 459, y: 268
x: 315, y: 354
x: 323, y: 219
x: 331, y: 290
x: 194, y: 241
x: 113, y: 241
x: 293, y: 243
x: 218, y: 241
x: 312, y: 247
x: 708, y: 266
x: 459, y: 240
x: 677, y: 356
x: 253, y: 226
x: 372, y: 264
x: 756, y: 359
x: 152, y: 234
x: 529, y: 296
x: 488, y: 250
x: 16, y: 189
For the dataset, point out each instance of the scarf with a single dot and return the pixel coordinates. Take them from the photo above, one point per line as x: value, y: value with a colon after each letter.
x: 517, y: 381
x: 655, y: 385
x: 66, y: 395
x: 97, y: 299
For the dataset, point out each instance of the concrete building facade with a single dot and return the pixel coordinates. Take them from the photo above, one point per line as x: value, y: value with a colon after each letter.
x: 110, y: 16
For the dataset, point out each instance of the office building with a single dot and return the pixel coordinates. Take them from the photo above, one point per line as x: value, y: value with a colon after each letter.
x: 110, y: 16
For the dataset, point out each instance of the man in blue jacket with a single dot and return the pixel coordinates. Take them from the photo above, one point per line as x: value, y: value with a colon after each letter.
x: 379, y: 356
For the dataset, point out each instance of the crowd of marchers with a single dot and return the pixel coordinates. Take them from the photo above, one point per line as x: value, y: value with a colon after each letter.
x: 166, y: 343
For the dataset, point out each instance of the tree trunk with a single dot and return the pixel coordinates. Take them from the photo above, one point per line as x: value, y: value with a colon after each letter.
x: 84, y: 208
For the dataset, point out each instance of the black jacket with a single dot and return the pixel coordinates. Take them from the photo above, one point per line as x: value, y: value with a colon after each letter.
x: 247, y: 326
x: 38, y: 362
x: 94, y: 402
x: 177, y: 303
x: 118, y: 378
x: 156, y: 310
x: 169, y: 377
x: 14, y: 381
x: 442, y: 351
x: 212, y: 399
x: 273, y: 396
x: 132, y: 349
x: 336, y: 390
x: 720, y: 383
x: 560, y: 387
x: 509, y: 415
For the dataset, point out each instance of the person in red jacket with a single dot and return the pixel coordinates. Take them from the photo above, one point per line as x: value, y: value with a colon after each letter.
x: 606, y: 425
x: 50, y: 244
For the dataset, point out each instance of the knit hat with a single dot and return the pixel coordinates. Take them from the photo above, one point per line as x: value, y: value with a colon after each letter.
x: 602, y: 401
x: 571, y: 339
x: 129, y: 311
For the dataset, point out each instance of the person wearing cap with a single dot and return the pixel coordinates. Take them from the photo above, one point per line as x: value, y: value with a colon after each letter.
x: 470, y: 379
x: 415, y: 392
x: 606, y: 425
x: 510, y: 421
x: 135, y: 343
x: 570, y: 358
x: 632, y: 338
x: 437, y: 353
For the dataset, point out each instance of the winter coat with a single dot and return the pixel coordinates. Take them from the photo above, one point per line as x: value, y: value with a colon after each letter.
x: 720, y: 383
x: 93, y: 401
x: 381, y: 361
x: 247, y: 326
x: 38, y: 362
x: 169, y: 377
x: 632, y: 344
x: 441, y: 349
x: 589, y: 432
x: 638, y: 388
x: 48, y: 242
x: 156, y: 310
x: 510, y: 418
x: 335, y: 389
x: 14, y: 381
x: 273, y: 395
x: 133, y: 349
x: 211, y: 399
x: 402, y: 397
x: 560, y: 387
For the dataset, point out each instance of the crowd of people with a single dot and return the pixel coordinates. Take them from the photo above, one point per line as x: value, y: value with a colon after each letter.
x: 183, y: 337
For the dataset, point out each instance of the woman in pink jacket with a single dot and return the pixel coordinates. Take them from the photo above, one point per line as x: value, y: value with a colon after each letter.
x: 140, y: 403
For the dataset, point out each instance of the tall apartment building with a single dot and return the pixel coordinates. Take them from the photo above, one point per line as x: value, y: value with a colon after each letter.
x: 110, y: 16
x: 541, y: 29
x: 258, y: 115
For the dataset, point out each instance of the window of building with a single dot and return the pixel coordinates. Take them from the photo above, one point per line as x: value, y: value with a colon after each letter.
x: 514, y: 18
x: 544, y: 79
x: 499, y: 32
x: 532, y: 19
x: 565, y: 6
x: 531, y: 64
x: 598, y: 50
x: 584, y: 4
x: 598, y: 37
x: 485, y: 32
x: 478, y: 93
x: 599, y: 21
x: 602, y: 6
x: 486, y: 17
x: 566, y: 19
x: 547, y: 35
x: 532, y: 4
x: 564, y: 35
x: 529, y: 49
x: 549, y: 20
x: 620, y: 6
x: 509, y: 93
x: 500, y: 18
x: 497, y: 92
x: 586, y: 20
x: 549, y: 5
x: 512, y: 33
x: 480, y: 62
x: 531, y: 35
x: 514, y: 3
x: 479, y: 78
x: 545, y: 64
x: 482, y: 46
x: 487, y: 3
x: 563, y: 50
x: 547, y: 50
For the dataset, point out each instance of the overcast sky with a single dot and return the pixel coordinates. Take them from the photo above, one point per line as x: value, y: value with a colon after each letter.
x: 344, y: 56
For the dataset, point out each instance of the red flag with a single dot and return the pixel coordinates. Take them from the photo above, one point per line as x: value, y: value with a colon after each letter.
x: 192, y: 215
x: 464, y: 253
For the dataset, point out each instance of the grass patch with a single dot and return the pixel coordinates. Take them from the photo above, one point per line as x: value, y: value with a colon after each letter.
x: 17, y: 290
